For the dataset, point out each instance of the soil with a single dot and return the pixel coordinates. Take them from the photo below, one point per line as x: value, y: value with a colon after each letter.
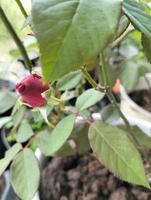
x: 142, y: 98
x: 85, y: 178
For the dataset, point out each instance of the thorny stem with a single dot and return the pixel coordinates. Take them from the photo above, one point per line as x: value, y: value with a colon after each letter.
x: 104, y: 72
x: 114, y: 103
x: 106, y: 89
x: 92, y: 81
x: 21, y: 8
x: 89, y: 78
x: 30, y: 141
x: 119, y: 39
x: 16, y: 39
x: 112, y: 98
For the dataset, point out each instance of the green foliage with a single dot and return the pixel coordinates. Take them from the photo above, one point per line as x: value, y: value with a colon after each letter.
x: 4, y: 120
x: 7, y: 101
x: 24, y: 131
x: 9, y: 156
x: 88, y: 99
x: 65, y: 150
x: 25, y: 174
x: 50, y: 142
x: 139, y: 67
x: 45, y: 111
x: 81, y: 140
x: 147, y: 47
x: 109, y: 114
x: 129, y: 79
x: 42, y: 140
x: 69, y: 81
x: 72, y: 34
x: 112, y: 146
x: 142, y: 139
x: 123, y: 24
x: 138, y: 16
x: 83, y: 30
x: 18, y: 116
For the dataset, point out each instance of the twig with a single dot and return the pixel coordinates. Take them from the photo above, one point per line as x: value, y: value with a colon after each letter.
x: 92, y: 81
x: 20, y: 5
x: 112, y: 98
x: 16, y: 39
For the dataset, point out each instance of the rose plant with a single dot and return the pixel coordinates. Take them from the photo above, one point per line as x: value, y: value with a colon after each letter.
x: 73, y: 37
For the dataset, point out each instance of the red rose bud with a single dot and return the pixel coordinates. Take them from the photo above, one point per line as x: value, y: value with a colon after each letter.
x: 31, y: 89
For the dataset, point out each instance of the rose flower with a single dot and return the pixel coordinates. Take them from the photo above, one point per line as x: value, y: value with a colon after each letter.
x: 31, y: 89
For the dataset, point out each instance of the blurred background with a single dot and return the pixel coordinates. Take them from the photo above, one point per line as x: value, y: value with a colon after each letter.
x: 9, y: 53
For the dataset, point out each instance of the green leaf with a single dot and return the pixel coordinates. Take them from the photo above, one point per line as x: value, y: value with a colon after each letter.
x: 88, y: 99
x: 50, y: 142
x: 71, y: 33
x: 4, y: 120
x: 139, y: 67
x: 138, y: 16
x: 65, y: 150
x: 69, y: 81
x: 18, y: 116
x: 81, y: 140
x: 128, y: 79
x: 9, y: 156
x: 128, y: 51
x: 24, y: 131
x: 142, y: 139
x: 42, y: 140
x: 146, y: 43
x: 45, y: 111
x: 27, y: 22
x: 16, y: 107
x: 123, y: 25
x: 112, y: 146
x: 8, y: 100
x: 109, y: 114
x: 68, y: 95
x: 25, y: 174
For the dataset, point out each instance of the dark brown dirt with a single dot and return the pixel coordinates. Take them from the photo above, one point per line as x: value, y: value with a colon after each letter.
x: 85, y: 178
x: 142, y: 98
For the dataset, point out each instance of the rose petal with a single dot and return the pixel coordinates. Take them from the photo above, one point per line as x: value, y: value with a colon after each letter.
x: 31, y: 88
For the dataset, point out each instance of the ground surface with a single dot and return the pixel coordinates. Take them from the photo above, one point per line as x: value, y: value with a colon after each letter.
x: 84, y: 178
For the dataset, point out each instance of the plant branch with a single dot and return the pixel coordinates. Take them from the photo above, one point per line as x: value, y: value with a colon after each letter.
x: 107, y: 90
x: 104, y: 72
x: 92, y: 81
x: 16, y: 39
x: 89, y: 78
x: 119, y: 39
x: 20, y: 5
x: 115, y: 104
x: 112, y: 98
